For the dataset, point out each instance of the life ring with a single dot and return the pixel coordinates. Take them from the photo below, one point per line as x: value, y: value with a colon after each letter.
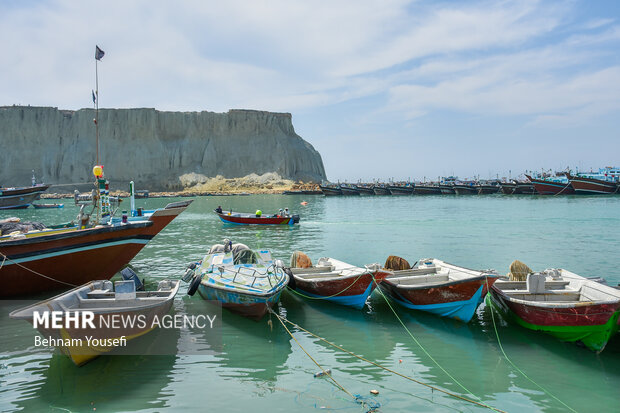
x: 193, y: 287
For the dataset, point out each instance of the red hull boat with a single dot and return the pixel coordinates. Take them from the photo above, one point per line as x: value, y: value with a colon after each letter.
x: 337, y: 281
x: 59, y: 258
x: 591, y: 186
x: 252, y: 219
x: 545, y: 187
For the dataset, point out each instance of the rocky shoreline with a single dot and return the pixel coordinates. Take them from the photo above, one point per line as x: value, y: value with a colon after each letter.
x: 207, y: 191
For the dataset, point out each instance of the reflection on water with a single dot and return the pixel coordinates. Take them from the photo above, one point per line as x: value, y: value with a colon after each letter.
x: 258, y: 366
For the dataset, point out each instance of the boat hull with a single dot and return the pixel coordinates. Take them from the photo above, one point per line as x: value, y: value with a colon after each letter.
x: 352, y: 291
x: 508, y: 188
x: 488, y: 189
x: 544, y: 187
x: 18, y: 198
x: 457, y: 299
x: 465, y: 190
x: 229, y: 219
x: 427, y: 190
x: 379, y: 190
x: 591, y: 325
x: 400, y: 190
x: 525, y: 188
x: 590, y: 186
x: 365, y: 190
x: 447, y: 189
x: 71, y: 257
x: 349, y: 191
x: 330, y: 191
x: 247, y: 305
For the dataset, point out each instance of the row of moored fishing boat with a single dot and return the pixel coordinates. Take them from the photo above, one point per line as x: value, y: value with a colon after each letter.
x: 250, y: 282
x: 605, y: 181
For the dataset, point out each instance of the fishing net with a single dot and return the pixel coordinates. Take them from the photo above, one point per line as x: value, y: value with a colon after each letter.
x: 396, y: 263
x: 519, y: 271
x: 300, y: 260
x: 12, y: 225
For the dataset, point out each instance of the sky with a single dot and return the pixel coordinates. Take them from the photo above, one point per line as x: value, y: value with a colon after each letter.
x: 387, y: 89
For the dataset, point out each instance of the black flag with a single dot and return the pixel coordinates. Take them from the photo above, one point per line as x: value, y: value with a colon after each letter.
x: 98, y: 53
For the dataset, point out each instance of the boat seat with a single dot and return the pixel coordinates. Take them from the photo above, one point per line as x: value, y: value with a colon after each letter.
x: 319, y: 275
x: 100, y: 294
x: 312, y: 270
x: 419, y: 279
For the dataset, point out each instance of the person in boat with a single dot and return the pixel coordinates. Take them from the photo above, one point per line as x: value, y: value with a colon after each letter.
x: 280, y: 213
x: 259, y: 213
x: 218, y: 209
x: 286, y: 213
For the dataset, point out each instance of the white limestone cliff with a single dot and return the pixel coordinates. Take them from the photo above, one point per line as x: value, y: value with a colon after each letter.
x: 150, y: 147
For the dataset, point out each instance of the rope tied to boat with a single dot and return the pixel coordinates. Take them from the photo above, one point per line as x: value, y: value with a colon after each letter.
x: 358, y: 399
x: 429, y: 355
x: 5, y: 258
x: 501, y: 347
x: 434, y: 388
x: 563, y: 189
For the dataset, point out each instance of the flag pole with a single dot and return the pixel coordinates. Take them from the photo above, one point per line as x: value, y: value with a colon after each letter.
x: 97, y: 106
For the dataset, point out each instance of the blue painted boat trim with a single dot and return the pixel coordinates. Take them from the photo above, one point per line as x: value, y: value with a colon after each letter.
x: 96, y: 245
x: 356, y: 301
x: 459, y: 310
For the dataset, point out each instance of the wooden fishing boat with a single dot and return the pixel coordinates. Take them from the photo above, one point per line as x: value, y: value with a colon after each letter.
x: 447, y: 189
x: 365, y: 189
x: 400, y: 189
x: 21, y: 197
x: 525, y: 188
x: 426, y: 189
x: 381, y: 190
x: 69, y: 255
x: 439, y: 288
x: 604, y: 182
x: 487, y: 188
x: 106, y: 301
x: 508, y: 188
x: 349, y: 190
x: 244, y: 281
x: 555, y: 185
x: 330, y: 190
x: 337, y: 281
x: 558, y: 302
x: 465, y: 189
x: 48, y: 206
x: 241, y: 218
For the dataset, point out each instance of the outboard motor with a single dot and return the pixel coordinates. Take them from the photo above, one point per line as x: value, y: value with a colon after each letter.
x: 129, y: 275
x: 295, y: 219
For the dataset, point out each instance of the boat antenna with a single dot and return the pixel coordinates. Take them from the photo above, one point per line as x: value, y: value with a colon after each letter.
x: 98, y: 55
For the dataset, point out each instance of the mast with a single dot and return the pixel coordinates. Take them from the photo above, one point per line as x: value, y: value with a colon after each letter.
x: 98, y: 55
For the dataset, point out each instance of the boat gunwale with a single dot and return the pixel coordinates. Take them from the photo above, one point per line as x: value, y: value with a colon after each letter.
x: 171, y: 295
x: 70, y: 232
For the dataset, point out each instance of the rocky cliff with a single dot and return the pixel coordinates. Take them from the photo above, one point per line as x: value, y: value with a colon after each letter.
x: 150, y: 147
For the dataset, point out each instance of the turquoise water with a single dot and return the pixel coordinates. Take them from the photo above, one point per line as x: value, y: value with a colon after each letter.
x: 259, y: 367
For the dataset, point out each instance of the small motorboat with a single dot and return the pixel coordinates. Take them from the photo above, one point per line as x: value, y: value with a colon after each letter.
x: 245, y: 281
x: 440, y: 288
x: 335, y: 281
x: 107, y: 302
x: 45, y: 206
x: 567, y: 306
x: 241, y: 218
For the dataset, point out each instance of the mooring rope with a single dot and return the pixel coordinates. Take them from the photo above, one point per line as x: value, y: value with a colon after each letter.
x: 501, y: 347
x: 34, y: 272
x: 422, y: 347
x: 387, y: 368
x: 356, y: 398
